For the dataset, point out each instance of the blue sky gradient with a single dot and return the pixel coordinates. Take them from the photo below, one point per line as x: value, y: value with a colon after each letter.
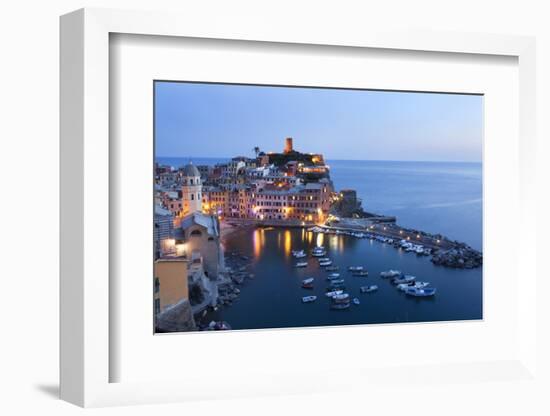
x: 219, y: 120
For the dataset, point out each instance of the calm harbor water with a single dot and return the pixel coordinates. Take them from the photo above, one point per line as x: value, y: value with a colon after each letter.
x: 273, y: 298
x: 441, y: 198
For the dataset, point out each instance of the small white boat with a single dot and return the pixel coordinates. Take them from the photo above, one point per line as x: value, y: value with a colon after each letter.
x: 390, y: 273
x: 355, y: 268
x: 415, y: 285
x: 341, y: 297
x: 405, y: 279
x: 318, y: 253
x: 334, y: 293
x: 300, y: 255
x: 325, y: 263
x: 428, y: 291
x: 332, y: 276
x: 323, y: 259
x: 368, y: 289
x: 307, y: 299
x: 301, y: 264
x: 356, y: 301
x: 336, y: 282
x: 308, y: 281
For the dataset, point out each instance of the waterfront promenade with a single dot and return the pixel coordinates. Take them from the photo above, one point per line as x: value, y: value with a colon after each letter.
x: 397, y: 232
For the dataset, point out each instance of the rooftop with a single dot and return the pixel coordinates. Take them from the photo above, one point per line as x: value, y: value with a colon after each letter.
x: 198, y: 218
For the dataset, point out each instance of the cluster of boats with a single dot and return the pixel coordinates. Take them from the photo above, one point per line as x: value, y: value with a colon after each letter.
x: 408, y: 284
x: 356, y: 234
x: 335, y: 290
x: 419, y: 249
x: 405, y: 245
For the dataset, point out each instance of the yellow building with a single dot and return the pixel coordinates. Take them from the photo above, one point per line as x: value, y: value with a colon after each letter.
x: 170, y: 282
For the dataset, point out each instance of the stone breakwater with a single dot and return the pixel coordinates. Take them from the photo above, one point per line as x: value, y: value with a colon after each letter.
x: 460, y: 257
x: 443, y: 252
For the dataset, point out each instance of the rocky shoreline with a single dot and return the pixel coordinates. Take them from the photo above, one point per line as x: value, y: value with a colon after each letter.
x: 238, y: 271
x: 459, y: 257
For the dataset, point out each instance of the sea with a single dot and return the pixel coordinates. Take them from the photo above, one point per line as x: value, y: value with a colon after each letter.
x: 437, y: 197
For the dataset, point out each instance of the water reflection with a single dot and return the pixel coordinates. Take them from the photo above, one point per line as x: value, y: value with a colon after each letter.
x: 258, y: 241
x: 288, y: 242
x: 320, y: 239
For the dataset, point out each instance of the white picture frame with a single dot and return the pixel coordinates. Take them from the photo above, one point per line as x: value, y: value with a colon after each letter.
x: 85, y: 212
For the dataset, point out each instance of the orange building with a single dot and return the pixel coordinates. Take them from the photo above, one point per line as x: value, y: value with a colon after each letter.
x: 170, y: 282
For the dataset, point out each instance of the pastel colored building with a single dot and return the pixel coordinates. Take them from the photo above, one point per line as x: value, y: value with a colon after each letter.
x: 170, y: 282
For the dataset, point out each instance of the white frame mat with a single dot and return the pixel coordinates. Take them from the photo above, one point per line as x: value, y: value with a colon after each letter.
x: 85, y: 354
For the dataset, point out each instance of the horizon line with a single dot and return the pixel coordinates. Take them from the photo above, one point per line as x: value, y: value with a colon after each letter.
x: 343, y: 160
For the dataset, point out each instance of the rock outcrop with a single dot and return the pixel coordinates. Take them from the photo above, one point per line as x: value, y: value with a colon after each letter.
x: 461, y: 257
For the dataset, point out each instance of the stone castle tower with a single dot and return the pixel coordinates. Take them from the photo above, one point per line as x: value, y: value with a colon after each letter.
x: 191, y: 190
x: 288, y: 145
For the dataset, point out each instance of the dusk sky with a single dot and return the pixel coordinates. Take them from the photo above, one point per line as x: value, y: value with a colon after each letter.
x: 216, y: 120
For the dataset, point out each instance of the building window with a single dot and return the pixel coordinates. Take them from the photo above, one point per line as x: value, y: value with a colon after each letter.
x: 196, y: 233
x: 192, y: 197
x: 157, y: 306
x: 191, y: 181
x: 157, y: 285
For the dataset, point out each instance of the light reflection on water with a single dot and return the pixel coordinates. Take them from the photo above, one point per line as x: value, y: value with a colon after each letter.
x: 288, y: 243
x: 320, y: 239
x: 258, y: 240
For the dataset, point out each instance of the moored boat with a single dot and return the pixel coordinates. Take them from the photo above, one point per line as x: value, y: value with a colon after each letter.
x: 356, y: 301
x: 332, y: 276
x: 368, y: 289
x: 336, y: 282
x: 318, y: 251
x: 342, y: 297
x: 427, y: 291
x: 360, y: 273
x: 390, y: 273
x: 404, y: 279
x: 325, y: 263
x: 307, y: 283
x: 334, y: 293
x: 355, y: 268
x: 301, y: 264
x: 332, y: 268
x: 307, y: 299
x: 415, y: 285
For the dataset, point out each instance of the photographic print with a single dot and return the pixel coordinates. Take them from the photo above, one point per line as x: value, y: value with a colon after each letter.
x: 285, y: 207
